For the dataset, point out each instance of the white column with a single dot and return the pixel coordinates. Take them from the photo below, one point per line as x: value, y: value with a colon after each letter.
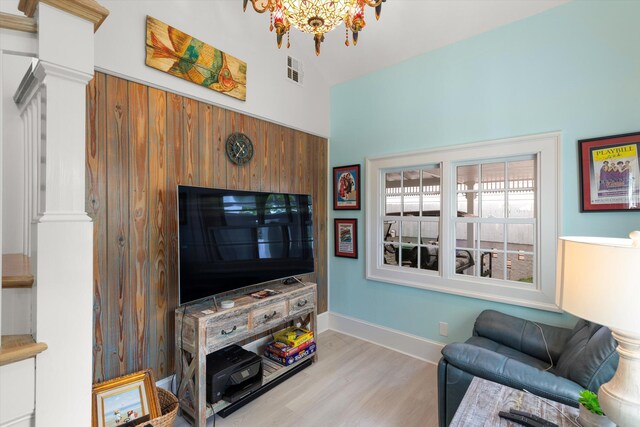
x: 63, y: 253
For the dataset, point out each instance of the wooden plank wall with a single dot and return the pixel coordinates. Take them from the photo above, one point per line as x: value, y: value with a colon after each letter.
x: 141, y: 143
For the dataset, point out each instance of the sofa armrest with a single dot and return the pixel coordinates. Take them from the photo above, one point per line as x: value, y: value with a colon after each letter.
x: 522, y: 335
x: 512, y: 373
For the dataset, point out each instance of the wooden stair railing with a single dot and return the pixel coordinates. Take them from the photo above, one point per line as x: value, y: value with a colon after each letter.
x: 14, y: 348
x: 18, y: 23
x: 16, y: 271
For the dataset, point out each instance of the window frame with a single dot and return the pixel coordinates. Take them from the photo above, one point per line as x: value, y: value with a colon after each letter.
x: 544, y: 294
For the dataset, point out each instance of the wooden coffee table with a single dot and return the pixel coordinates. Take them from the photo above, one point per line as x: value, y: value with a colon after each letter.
x: 484, y: 399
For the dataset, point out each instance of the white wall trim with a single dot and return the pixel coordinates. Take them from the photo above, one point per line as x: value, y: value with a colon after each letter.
x: 402, y: 342
x: 323, y: 322
x: 543, y: 293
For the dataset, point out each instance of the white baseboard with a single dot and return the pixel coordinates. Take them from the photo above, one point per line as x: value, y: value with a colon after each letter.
x: 323, y: 322
x: 166, y: 383
x: 411, y: 345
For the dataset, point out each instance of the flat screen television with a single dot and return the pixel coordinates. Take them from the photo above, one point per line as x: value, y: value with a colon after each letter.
x: 230, y: 239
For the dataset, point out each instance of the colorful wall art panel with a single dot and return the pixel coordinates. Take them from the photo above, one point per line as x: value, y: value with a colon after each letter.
x: 174, y: 52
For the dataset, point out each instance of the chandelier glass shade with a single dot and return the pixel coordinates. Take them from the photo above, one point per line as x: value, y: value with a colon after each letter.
x: 315, y: 17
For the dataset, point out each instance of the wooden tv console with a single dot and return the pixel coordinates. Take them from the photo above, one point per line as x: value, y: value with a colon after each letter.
x: 205, y: 327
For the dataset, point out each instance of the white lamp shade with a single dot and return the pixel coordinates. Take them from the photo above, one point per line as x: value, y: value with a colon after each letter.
x: 600, y: 280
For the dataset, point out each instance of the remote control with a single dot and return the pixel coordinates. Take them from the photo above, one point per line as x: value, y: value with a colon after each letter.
x: 541, y: 420
x: 519, y: 419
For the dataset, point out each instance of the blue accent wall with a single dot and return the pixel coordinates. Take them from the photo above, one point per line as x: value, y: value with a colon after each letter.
x: 574, y: 69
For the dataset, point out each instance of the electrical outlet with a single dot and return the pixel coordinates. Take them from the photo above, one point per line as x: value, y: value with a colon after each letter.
x: 444, y: 329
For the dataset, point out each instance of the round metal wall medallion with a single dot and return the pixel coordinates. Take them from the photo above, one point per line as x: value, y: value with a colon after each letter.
x: 239, y: 148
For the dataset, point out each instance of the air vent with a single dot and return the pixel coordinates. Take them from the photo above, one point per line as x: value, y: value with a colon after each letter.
x: 294, y: 70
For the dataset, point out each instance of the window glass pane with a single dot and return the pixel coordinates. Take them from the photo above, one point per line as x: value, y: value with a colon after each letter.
x: 520, y: 237
x: 431, y: 191
x: 409, y: 256
x: 492, y: 236
x: 392, y: 205
x: 411, y: 204
x: 493, y: 204
x: 429, y: 231
x: 492, y: 176
x: 521, y: 174
x: 464, y: 262
x: 521, y: 204
x: 467, y: 177
x: 390, y: 231
x: 392, y: 193
x: 492, y: 264
x: 467, y: 204
x: 390, y: 254
x: 429, y: 257
x: 520, y: 268
x: 409, y: 232
x: 411, y: 191
x: 392, y: 182
x: 411, y: 181
x: 431, y: 204
x: 465, y: 235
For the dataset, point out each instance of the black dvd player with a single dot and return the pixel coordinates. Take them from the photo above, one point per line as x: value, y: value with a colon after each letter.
x: 232, y: 373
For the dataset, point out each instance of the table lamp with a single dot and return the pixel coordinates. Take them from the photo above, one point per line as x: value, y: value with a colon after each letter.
x: 600, y: 282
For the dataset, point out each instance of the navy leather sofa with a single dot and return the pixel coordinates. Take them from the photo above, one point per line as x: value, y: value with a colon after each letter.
x: 512, y: 351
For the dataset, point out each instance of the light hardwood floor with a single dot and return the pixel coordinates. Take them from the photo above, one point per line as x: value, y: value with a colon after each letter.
x: 354, y: 383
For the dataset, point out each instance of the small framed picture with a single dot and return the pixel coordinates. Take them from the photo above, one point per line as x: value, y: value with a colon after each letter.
x: 346, y: 187
x: 346, y: 237
x: 125, y: 401
x: 610, y: 173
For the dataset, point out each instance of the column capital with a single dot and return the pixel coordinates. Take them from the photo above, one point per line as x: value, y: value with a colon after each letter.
x: 90, y: 10
x: 36, y: 74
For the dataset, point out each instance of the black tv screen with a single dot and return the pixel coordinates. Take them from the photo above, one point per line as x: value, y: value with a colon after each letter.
x: 230, y: 239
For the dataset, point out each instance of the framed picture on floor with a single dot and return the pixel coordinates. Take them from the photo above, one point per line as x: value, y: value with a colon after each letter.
x: 346, y: 187
x: 346, y: 237
x: 610, y: 173
x: 125, y: 401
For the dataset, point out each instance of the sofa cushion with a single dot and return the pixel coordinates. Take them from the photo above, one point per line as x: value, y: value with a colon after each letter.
x: 532, y: 338
x: 590, y: 357
x: 498, y: 368
x: 508, y: 351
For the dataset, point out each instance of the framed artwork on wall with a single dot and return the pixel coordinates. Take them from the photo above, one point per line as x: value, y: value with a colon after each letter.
x: 346, y: 237
x: 125, y: 401
x: 610, y: 173
x: 346, y: 187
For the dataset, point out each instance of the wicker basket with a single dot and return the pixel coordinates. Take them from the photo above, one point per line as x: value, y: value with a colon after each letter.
x: 169, y: 406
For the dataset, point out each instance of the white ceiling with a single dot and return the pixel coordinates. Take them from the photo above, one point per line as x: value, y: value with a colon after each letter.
x: 406, y: 28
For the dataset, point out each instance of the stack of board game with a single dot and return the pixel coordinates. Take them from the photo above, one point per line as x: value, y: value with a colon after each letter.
x: 290, y: 345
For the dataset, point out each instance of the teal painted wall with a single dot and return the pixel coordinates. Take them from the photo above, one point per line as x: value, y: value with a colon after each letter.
x: 574, y: 69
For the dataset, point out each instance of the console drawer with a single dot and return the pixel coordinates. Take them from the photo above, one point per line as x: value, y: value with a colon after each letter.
x: 301, y: 303
x: 267, y: 314
x: 226, y: 329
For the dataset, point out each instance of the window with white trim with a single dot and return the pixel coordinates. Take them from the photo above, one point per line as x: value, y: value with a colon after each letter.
x: 479, y: 220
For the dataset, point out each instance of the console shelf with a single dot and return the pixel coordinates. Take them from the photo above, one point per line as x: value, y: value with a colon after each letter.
x: 205, y: 327
x: 272, y: 372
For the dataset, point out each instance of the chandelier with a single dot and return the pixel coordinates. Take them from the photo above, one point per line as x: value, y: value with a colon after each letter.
x: 315, y: 16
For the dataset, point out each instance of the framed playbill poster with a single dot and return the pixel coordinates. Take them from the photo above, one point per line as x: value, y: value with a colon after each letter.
x: 346, y: 187
x: 610, y: 173
x: 346, y: 237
